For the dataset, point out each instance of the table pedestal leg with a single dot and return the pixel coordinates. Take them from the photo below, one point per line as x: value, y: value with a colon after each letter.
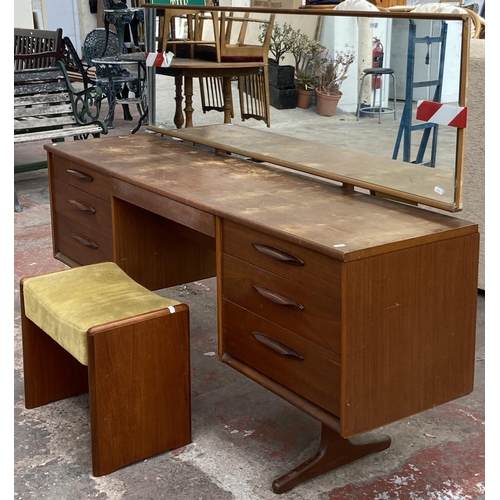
x: 333, y: 452
x: 188, y: 91
x: 228, y: 102
x: 179, y: 115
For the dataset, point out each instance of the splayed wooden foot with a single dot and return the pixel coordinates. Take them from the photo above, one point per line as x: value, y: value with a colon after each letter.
x: 333, y: 452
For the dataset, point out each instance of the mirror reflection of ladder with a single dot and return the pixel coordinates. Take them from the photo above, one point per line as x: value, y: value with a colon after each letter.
x: 406, y: 127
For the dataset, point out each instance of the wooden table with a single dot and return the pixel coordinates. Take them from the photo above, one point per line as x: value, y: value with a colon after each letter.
x: 187, y: 69
x: 358, y: 310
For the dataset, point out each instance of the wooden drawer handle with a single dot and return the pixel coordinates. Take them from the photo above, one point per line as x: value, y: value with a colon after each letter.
x: 280, y: 255
x: 84, y: 241
x: 83, y: 207
x: 276, y: 345
x: 279, y: 298
x: 80, y: 175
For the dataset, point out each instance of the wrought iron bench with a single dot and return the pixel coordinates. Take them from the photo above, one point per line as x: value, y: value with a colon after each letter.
x: 48, y: 107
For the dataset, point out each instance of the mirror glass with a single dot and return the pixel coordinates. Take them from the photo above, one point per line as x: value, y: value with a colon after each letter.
x: 392, y: 154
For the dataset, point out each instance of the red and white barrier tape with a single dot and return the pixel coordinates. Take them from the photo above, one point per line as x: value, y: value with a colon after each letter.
x: 159, y: 59
x: 442, y: 114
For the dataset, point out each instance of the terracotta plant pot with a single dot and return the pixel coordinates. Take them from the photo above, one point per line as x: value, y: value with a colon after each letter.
x: 326, y: 104
x: 304, y: 98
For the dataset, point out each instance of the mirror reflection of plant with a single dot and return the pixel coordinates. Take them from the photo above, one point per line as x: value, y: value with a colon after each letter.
x: 305, y: 51
x: 282, y: 40
x: 331, y: 71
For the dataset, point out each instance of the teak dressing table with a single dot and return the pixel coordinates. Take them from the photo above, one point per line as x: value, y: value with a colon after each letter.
x: 358, y: 310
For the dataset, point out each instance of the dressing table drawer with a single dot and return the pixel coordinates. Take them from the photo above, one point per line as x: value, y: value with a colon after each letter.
x: 81, y: 244
x: 80, y: 176
x: 308, y: 313
x: 291, y: 360
x: 82, y: 207
x: 293, y: 262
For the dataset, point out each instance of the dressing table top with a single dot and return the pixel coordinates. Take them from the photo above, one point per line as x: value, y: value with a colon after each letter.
x: 315, y: 213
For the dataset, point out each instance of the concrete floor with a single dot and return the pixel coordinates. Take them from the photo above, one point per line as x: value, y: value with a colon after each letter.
x: 243, y: 436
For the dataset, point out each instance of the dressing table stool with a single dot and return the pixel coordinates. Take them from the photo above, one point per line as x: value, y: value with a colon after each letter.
x: 93, y: 328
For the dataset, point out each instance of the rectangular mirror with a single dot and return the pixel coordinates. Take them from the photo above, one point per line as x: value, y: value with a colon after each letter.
x: 393, y: 154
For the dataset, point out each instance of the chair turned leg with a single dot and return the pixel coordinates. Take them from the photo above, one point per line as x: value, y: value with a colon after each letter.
x: 50, y: 372
x: 139, y: 387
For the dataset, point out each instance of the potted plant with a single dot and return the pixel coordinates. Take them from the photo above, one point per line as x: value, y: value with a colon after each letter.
x: 305, y: 51
x: 282, y: 41
x: 282, y: 93
x: 331, y: 71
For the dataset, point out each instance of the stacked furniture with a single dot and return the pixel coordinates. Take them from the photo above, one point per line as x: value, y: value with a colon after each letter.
x: 221, y: 38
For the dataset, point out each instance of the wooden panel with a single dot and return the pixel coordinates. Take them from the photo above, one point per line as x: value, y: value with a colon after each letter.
x: 310, y: 314
x: 318, y: 271
x: 86, y: 210
x: 178, y: 212
x: 50, y: 109
x: 56, y: 133
x: 315, y: 377
x: 139, y: 388
x: 409, y: 332
x: 80, y: 176
x: 158, y: 252
x: 34, y: 48
x: 80, y: 243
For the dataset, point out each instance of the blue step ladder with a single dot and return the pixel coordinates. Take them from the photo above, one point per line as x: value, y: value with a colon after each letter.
x: 406, y: 127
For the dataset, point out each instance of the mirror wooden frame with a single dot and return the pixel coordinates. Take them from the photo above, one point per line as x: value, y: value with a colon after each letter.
x: 375, y: 188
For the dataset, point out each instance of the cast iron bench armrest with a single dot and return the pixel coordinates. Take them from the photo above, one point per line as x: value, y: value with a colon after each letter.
x: 86, y: 103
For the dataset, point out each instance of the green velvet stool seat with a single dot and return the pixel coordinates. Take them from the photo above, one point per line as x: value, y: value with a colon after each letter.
x: 93, y: 328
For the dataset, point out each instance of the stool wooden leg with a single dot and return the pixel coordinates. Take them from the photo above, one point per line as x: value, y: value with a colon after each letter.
x: 139, y: 387
x: 50, y: 372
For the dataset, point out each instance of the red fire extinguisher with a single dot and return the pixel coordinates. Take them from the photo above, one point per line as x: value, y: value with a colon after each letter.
x: 378, y: 60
